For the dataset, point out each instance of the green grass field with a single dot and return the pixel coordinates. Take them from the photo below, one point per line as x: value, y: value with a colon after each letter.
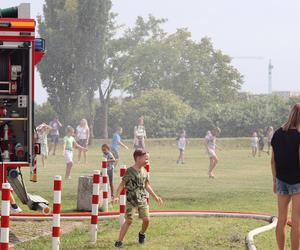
x: 243, y: 183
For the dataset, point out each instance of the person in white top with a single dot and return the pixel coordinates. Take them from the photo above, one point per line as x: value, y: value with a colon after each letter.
x: 210, y: 145
x: 82, y: 137
x: 181, y: 144
x: 139, y: 134
x: 254, y: 144
x: 54, y: 134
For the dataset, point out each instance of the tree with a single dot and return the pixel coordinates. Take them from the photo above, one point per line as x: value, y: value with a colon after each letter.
x: 58, y: 67
x: 241, y: 117
x: 43, y: 113
x: 93, y: 28
x: 195, y: 71
x: 118, y: 51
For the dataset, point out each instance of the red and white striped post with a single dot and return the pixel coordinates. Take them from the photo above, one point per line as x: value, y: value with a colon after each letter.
x: 5, y: 210
x: 56, y: 212
x: 122, y: 196
x: 95, y: 206
x: 148, y: 167
x: 105, y: 185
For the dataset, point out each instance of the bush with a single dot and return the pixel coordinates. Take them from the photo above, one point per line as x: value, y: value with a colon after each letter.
x: 164, y: 113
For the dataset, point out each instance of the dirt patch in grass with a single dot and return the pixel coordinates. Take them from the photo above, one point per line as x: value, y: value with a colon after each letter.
x: 22, y: 231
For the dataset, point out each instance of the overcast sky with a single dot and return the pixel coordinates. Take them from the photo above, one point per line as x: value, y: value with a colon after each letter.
x: 249, y: 28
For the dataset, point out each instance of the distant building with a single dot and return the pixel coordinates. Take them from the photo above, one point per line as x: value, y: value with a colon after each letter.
x: 286, y: 94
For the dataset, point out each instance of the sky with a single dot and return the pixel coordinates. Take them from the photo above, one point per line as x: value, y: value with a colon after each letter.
x: 251, y: 31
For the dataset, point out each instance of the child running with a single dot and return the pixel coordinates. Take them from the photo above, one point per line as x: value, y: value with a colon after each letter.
x: 181, y: 143
x: 43, y: 131
x: 210, y: 145
x: 110, y: 169
x: 69, y: 144
x: 136, y: 182
x: 254, y: 144
x: 116, y: 143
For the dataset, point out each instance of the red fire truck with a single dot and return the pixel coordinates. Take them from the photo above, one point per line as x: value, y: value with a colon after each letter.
x: 20, y: 51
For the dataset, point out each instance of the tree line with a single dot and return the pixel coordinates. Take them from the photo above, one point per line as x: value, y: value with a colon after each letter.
x: 166, y: 114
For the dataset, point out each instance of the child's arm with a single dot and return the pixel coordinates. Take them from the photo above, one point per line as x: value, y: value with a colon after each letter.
x: 113, y: 158
x: 64, y: 148
x: 152, y: 193
x: 122, y: 144
x: 76, y: 145
x: 48, y: 129
x: 59, y: 123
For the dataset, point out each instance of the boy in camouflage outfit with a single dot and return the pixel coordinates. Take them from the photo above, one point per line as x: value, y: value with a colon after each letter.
x: 136, y: 182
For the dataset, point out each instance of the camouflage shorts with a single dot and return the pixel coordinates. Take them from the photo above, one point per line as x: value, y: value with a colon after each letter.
x: 143, y: 210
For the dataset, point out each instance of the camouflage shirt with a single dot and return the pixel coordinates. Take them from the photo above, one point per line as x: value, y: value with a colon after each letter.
x: 135, y: 185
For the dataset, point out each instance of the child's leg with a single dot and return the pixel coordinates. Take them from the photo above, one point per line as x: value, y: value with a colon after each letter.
x: 112, y: 189
x: 54, y: 149
x: 253, y: 151
x: 68, y: 170
x: 179, y: 156
x: 124, y: 228
x: 146, y: 221
x: 213, y: 164
x: 111, y: 179
x: 182, y: 156
x: 12, y: 199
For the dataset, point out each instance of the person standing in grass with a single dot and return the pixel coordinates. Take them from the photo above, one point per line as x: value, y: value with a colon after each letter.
x: 136, y: 182
x: 110, y: 168
x: 139, y: 134
x: 69, y: 144
x: 83, y: 136
x: 54, y: 134
x: 42, y: 132
x: 210, y: 146
x: 181, y: 144
x: 116, y: 143
x: 254, y: 144
x: 285, y: 164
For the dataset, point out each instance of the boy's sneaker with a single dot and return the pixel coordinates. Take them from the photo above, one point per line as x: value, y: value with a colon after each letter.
x: 118, y: 244
x: 141, y: 238
x: 15, y: 210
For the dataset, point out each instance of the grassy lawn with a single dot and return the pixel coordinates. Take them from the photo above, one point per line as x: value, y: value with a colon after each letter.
x: 243, y: 183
